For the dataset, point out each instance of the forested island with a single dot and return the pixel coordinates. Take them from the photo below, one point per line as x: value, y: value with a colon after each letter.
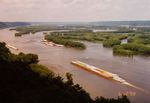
x: 137, y: 43
x: 138, y: 40
x: 58, y: 39
x: 23, y: 80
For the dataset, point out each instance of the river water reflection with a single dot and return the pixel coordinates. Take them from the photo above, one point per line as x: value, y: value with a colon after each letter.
x: 135, y: 70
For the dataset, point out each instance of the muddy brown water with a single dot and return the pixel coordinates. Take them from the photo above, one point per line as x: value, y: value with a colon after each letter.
x: 135, y: 70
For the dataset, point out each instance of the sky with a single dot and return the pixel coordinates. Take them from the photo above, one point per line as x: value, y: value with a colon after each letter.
x: 74, y: 10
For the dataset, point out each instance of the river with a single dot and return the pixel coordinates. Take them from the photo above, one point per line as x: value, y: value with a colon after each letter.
x: 135, y: 70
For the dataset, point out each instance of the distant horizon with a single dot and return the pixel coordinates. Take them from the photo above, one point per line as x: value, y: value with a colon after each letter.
x: 78, y: 21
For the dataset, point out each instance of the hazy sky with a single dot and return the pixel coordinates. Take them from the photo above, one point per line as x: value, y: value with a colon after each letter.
x: 74, y: 10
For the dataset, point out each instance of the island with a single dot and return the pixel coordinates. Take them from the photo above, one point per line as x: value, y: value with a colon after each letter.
x: 138, y: 41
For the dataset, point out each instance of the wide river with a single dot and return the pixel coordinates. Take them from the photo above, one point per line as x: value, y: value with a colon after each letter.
x: 135, y: 70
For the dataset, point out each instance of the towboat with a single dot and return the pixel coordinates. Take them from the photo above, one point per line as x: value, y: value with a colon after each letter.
x: 99, y: 71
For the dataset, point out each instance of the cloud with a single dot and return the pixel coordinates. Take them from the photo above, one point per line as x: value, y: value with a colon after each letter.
x: 67, y: 1
x: 73, y: 10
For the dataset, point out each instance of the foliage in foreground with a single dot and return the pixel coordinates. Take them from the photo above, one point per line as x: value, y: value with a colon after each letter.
x: 24, y: 81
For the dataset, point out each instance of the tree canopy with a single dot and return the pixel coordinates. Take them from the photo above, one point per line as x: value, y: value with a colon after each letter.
x: 23, y: 80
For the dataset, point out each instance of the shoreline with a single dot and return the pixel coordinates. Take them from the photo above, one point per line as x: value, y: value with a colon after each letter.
x: 52, y: 44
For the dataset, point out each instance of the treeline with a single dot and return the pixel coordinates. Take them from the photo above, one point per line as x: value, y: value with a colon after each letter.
x: 114, y: 39
x: 138, y: 44
x: 65, y: 42
x: 30, y: 29
x: 131, y: 49
x: 108, y: 39
x: 24, y: 81
x: 140, y: 39
x: 71, y: 33
x: 12, y: 24
x: 111, y: 42
x: 38, y: 28
x: 76, y: 35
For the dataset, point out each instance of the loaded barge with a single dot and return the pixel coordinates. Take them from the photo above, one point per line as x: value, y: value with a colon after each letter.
x: 99, y: 71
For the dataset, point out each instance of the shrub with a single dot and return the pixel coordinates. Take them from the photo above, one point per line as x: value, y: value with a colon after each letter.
x: 111, y: 42
x: 131, y: 49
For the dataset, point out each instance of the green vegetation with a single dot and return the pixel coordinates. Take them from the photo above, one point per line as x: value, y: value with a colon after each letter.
x: 39, y: 28
x: 68, y: 43
x: 76, y: 35
x: 140, y: 39
x: 119, y: 50
x: 79, y: 34
x: 108, y: 39
x: 71, y: 38
x: 32, y: 29
x: 138, y: 45
x: 90, y: 36
x: 111, y: 43
x: 131, y: 49
x: 24, y: 81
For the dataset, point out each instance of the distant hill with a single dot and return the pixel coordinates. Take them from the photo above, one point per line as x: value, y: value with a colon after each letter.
x: 121, y: 23
x: 80, y: 24
x: 97, y: 23
x: 12, y: 24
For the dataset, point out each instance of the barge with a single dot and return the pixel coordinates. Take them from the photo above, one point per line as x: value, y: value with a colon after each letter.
x: 12, y: 47
x: 98, y: 71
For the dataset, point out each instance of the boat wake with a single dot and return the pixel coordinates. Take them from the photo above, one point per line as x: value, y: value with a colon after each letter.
x: 107, y: 75
x: 136, y: 87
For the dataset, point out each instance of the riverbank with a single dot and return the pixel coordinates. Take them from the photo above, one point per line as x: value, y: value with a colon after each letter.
x: 134, y: 69
x: 67, y: 43
x: 52, y: 44
x: 72, y: 38
x: 38, y: 81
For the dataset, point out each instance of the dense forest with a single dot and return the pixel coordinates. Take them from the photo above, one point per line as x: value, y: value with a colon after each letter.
x: 66, y: 42
x: 109, y: 39
x: 23, y: 80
